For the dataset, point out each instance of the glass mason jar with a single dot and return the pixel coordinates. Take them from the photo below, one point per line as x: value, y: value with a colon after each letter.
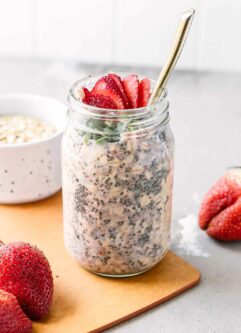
x: 117, y: 185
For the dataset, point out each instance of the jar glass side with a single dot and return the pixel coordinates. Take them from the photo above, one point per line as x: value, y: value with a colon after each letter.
x: 117, y: 196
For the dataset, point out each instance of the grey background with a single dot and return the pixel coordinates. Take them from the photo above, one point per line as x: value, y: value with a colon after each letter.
x: 206, y: 121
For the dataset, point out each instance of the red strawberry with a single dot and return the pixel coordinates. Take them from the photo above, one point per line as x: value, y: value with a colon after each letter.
x: 144, y: 92
x: 121, y: 88
x: 107, y: 86
x: 227, y: 224
x: 25, y: 273
x: 100, y: 101
x: 12, y: 317
x: 220, y: 211
x: 131, y: 84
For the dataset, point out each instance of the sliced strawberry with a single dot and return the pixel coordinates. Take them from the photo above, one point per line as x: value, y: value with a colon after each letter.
x: 107, y: 86
x: 227, y: 225
x: 223, y: 194
x: 121, y: 88
x: 131, y: 84
x: 220, y: 211
x: 144, y: 92
x: 100, y: 101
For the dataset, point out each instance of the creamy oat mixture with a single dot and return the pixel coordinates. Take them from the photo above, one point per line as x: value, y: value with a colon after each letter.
x: 21, y: 129
x: 117, y: 200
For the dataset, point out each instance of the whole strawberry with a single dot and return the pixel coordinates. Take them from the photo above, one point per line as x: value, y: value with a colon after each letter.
x: 25, y: 273
x: 12, y: 317
x: 220, y: 211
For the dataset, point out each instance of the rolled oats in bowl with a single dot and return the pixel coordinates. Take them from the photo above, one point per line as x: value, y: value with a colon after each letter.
x: 23, y: 128
x: 31, y: 129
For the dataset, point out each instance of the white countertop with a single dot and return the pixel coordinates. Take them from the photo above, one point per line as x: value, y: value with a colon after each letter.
x: 206, y: 121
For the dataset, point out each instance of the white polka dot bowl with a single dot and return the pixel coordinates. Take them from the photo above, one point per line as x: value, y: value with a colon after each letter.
x: 31, y: 171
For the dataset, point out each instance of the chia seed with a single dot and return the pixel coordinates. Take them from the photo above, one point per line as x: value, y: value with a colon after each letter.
x: 117, y: 209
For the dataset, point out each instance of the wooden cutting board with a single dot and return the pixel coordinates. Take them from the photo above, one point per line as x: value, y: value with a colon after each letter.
x: 84, y: 302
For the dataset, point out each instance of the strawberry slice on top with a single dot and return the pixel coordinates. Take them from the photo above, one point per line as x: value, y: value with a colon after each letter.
x: 121, y: 88
x: 144, y: 93
x: 100, y: 101
x: 113, y: 92
x: 131, y: 84
x: 107, y: 86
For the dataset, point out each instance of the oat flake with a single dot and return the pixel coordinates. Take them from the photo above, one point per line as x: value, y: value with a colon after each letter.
x: 21, y: 129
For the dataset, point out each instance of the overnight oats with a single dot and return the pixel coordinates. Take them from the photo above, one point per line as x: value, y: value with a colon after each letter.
x: 117, y: 175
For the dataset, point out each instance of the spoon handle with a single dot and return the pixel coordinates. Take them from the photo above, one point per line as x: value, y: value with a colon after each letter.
x: 179, y: 41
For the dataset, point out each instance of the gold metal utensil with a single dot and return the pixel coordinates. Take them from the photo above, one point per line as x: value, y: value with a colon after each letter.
x: 180, y: 38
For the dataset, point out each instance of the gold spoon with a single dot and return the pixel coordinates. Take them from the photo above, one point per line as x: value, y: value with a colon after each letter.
x: 180, y: 38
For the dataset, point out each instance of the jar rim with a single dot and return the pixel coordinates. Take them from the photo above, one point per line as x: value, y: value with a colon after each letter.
x: 75, y: 100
